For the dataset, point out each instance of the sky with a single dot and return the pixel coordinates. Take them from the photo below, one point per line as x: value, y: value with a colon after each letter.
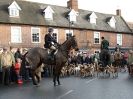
x: 102, y: 6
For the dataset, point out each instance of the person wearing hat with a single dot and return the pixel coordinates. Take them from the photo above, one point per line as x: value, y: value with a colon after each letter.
x: 6, y: 61
x: 50, y: 42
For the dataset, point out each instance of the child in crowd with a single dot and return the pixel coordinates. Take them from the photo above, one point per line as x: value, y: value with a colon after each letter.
x: 17, y: 70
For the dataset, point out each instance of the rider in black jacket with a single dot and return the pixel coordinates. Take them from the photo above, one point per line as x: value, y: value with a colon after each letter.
x: 50, y: 41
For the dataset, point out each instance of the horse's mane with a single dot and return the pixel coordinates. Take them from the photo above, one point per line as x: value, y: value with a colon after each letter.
x: 67, y: 40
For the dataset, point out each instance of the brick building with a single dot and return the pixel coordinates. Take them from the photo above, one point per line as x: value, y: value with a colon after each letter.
x: 23, y: 24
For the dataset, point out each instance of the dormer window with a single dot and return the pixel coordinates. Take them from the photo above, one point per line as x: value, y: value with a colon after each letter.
x: 14, y: 9
x: 72, y: 16
x: 112, y: 22
x: 92, y: 18
x: 48, y: 13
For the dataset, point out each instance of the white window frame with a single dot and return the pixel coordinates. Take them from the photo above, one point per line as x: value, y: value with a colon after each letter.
x: 93, y: 20
x: 48, y: 13
x: 14, y: 12
x: 56, y: 32
x: 14, y: 37
x: 32, y: 28
x: 119, y: 39
x: 48, y: 16
x: 112, y: 22
x: 95, y: 36
x: 68, y: 32
x: 72, y: 18
x: 14, y: 9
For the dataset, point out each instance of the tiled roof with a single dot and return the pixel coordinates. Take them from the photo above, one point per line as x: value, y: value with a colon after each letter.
x: 32, y: 14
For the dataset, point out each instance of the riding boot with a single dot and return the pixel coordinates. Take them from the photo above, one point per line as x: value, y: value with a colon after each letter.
x: 52, y: 54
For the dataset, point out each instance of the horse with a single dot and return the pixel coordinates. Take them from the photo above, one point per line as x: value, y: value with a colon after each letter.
x: 104, y: 62
x: 105, y: 57
x: 37, y: 56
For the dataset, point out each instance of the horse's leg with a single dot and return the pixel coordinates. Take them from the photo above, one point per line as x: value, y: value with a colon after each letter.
x: 33, y: 77
x: 54, y: 76
x: 58, y: 78
x: 37, y: 77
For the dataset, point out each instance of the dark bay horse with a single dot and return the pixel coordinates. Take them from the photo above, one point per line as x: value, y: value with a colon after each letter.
x: 36, y: 56
x: 105, y: 57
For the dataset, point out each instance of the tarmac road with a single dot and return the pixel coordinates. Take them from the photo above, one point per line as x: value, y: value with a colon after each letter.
x: 73, y: 88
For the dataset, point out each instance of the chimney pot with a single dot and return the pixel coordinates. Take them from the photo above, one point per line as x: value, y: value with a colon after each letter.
x: 118, y: 12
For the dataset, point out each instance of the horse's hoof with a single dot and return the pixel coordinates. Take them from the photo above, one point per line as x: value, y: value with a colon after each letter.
x: 54, y: 84
x: 36, y: 85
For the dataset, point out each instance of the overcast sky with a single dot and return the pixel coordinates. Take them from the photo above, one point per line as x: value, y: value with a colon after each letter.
x: 103, y: 6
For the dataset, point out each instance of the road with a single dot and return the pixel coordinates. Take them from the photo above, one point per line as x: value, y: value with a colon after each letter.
x: 73, y: 88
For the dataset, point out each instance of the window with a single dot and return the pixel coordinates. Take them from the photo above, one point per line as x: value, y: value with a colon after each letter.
x: 55, y: 34
x: 69, y: 33
x: 48, y: 16
x: 112, y: 22
x: 93, y: 18
x: 14, y: 12
x: 72, y: 16
x: 119, y: 39
x: 48, y: 13
x: 16, y: 35
x: 14, y: 9
x: 35, y: 32
x: 96, y: 37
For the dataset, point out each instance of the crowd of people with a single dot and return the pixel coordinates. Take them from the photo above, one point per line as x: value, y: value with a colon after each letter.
x: 13, y: 68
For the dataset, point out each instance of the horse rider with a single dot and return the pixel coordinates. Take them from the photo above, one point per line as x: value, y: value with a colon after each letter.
x: 50, y: 42
x: 104, y: 44
x: 104, y: 51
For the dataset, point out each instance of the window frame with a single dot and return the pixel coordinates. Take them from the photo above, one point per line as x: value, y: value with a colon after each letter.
x: 14, y: 12
x: 20, y: 34
x: 48, y: 15
x: 32, y: 34
x: 98, y: 37
x: 56, y: 32
x: 117, y: 38
x: 68, y: 32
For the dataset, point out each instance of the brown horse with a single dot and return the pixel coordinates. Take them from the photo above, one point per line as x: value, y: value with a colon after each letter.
x: 105, y: 57
x: 36, y: 56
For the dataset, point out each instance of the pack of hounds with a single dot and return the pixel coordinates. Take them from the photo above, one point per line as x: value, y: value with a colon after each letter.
x: 90, y: 70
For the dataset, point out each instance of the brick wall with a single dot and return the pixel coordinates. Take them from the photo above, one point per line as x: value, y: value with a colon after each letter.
x: 85, y: 38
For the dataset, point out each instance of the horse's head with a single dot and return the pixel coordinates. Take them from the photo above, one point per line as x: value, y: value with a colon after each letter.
x: 74, y: 44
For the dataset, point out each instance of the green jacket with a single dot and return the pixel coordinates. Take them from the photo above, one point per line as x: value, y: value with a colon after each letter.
x: 104, y: 45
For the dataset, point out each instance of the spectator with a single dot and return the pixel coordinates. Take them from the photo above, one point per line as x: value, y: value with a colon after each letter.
x: 17, y: 70
x: 6, y: 61
x: 18, y: 54
x: 117, y: 48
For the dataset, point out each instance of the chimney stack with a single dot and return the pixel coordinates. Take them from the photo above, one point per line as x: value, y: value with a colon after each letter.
x: 73, y: 4
x: 118, y: 12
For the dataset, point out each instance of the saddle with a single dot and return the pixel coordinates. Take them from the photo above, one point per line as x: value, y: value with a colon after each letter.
x: 51, y: 54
